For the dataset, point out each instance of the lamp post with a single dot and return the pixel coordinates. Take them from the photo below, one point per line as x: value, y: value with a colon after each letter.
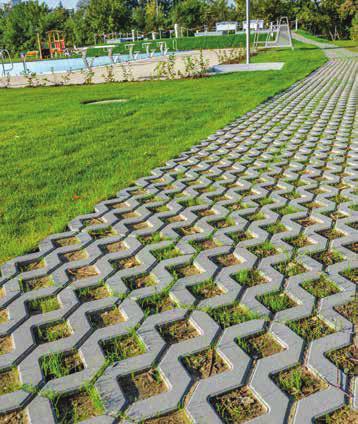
x: 247, y: 32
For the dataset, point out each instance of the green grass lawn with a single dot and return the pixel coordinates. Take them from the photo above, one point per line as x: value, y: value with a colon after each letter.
x: 184, y: 43
x: 347, y: 44
x: 60, y: 157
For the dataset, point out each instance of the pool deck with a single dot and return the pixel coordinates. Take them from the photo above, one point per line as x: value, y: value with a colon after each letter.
x: 140, y: 69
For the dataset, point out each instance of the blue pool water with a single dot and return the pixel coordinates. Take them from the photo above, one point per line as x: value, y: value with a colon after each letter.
x: 63, y: 65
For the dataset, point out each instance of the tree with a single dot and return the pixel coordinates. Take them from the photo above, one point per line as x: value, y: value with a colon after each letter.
x: 154, y: 16
x: 106, y: 16
x: 189, y: 13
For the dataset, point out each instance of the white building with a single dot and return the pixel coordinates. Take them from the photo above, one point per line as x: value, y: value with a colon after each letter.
x: 255, y: 23
x: 226, y: 26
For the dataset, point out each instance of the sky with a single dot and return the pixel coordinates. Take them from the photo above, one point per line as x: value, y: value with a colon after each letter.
x: 66, y: 3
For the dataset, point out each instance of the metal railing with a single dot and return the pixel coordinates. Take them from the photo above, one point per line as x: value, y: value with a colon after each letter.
x: 6, y: 62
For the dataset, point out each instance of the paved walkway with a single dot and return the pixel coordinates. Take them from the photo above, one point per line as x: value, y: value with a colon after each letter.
x: 144, y: 297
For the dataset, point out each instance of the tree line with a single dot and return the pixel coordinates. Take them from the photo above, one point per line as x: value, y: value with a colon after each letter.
x: 20, y: 25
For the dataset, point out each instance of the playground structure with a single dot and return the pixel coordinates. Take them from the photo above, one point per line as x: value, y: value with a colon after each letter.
x: 55, y: 45
x: 278, y: 35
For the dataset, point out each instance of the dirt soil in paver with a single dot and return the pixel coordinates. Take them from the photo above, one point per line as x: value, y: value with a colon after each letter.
x: 345, y: 359
x: 15, y: 417
x: 125, y: 263
x: 106, y: 317
x: 186, y: 271
x: 299, y: 382
x: 349, y: 311
x: 351, y: 274
x: 75, y: 408
x: 177, y: 417
x: 205, y: 290
x: 343, y: 415
x: 205, y: 364
x: 3, y: 315
x: 238, y: 406
x: 156, y: 303
x: 261, y: 345
x: 88, y: 294
x: 142, y: 386
x: 321, y: 288
x: 204, y: 245
x: 52, y: 332
x: 81, y: 273
x: 92, y: 221
x: 59, y: 365
x: 76, y: 255
x: 122, y: 347
x: 67, y: 241
x: 310, y: 328
x: 6, y: 345
x: 178, y: 331
x: 9, y: 381
x: 139, y: 282
x: 226, y: 260
x: 31, y: 266
x: 36, y: 284
x: 114, y: 247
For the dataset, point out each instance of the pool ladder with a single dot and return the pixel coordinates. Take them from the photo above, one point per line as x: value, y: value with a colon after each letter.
x: 6, y: 62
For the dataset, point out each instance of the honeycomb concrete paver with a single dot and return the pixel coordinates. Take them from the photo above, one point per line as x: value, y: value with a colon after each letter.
x: 214, y: 247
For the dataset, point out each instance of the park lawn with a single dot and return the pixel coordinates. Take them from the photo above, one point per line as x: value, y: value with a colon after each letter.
x: 183, y: 43
x: 347, y: 44
x: 59, y: 157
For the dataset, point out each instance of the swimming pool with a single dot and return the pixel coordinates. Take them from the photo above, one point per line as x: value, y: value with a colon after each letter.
x: 71, y: 64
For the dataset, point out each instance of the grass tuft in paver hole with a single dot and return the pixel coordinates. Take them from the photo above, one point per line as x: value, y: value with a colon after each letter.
x: 15, y: 417
x: 57, y: 365
x: 351, y: 274
x: 299, y: 382
x: 9, y: 381
x: 321, y: 287
x: 125, y: 263
x: 306, y: 222
x: 105, y: 317
x: 344, y: 415
x: 122, y: 347
x: 82, y: 272
x: 287, y: 210
x: 257, y: 216
x: 328, y: 257
x: 6, y: 344
x: 78, y: 406
x: 151, y: 238
x: 205, y: 364
x: 225, y: 260
x: 178, y: 331
x: 331, y: 233
x: 139, y: 281
x: 142, y: 385
x: 352, y: 246
x: 67, y: 241
x: 182, y: 271
x: 88, y: 294
x: 349, y: 310
x: 4, y: 316
x: 276, y: 301
x: 176, y: 417
x: 345, y: 358
x: 168, y: 252
x: 275, y: 228
x: 156, y: 303
x: 263, y: 250
x: 289, y: 268
x: 52, y: 332
x: 206, y: 244
x: 299, y: 241
x: 35, y: 284
x: 117, y: 246
x: 239, y: 236
x: 310, y: 328
x: 102, y: 233
x: 237, y: 406
x: 43, y: 305
x: 249, y: 278
x: 260, y: 345
x: 76, y: 255
x: 229, y: 315
x: 205, y: 290
x: 92, y: 221
x: 31, y: 266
